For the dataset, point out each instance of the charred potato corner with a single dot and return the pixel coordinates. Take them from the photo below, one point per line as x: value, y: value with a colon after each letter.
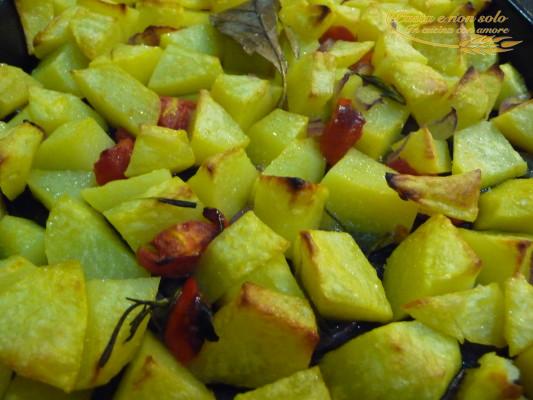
x: 252, y: 200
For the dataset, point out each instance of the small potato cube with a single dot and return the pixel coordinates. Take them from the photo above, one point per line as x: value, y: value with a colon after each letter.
x: 159, y: 13
x: 225, y: 181
x: 275, y: 274
x: 502, y: 255
x: 139, y: 220
x: 272, y: 134
x: 360, y: 198
x: 246, y: 98
x: 54, y: 71
x: 300, y: 159
x: 402, y: 360
x: 482, y: 146
x: 508, y: 207
x: 137, y: 60
x: 524, y: 362
x: 289, y: 205
x: 76, y: 145
x: 513, y: 84
x: 475, y: 315
x: 518, y: 327
x: 157, y: 147
x: 17, y: 152
x: 34, y: 15
x: 107, y: 301
x: 49, y: 186
x: 310, y: 83
x: 56, y: 34
x: 180, y: 72
x: 264, y: 336
x: 155, y: 373
x: 14, y: 88
x: 516, y: 125
x: 26, y: 389
x: 75, y: 231
x: 419, y: 152
x: 119, y: 97
x: 303, y: 385
x: 203, y: 39
x: 19, y: 236
x: 102, y: 198
x: 213, y: 129
x: 494, y: 379
x: 43, y: 319
x: 338, y: 278
x: 349, y: 53
x: 241, y: 248
x: 421, y: 265
x: 50, y: 109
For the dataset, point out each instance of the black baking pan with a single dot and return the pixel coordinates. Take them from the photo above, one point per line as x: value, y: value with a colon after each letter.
x: 520, y: 22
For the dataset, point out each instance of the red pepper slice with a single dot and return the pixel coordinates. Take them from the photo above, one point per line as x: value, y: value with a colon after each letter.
x: 181, y: 332
x: 114, y: 161
x: 337, y: 33
x: 175, y: 113
x: 402, y: 166
x: 175, y: 251
x: 342, y: 131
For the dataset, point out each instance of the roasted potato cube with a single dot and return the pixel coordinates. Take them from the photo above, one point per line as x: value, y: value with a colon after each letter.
x: 25, y: 389
x: 226, y: 173
x: 19, y: 236
x: 308, y: 19
x: 482, y: 146
x: 56, y: 34
x: 360, y: 198
x: 272, y: 134
x: 198, y: 38
x: 420, y: 153
x: 54, y: 71
x: 518, y: 327
x: 159, y: 13
x: 17, y: 152
x: 300, y: 159
x: 119, y: 97
x: 402, y: 360
x: 508, y: 207
x: 513, y: 84
x: 241, y: 248
x: 289, y: 205
x: 502, y: 255
x: 455, y: 196
x: 213, y: 129
x: 421, y: 265
x: 14, y: 88
x: 34, y: 16
x: 50, y: 109
x: 264, y: 336
x: 43, y: 318
x: 155, y: 373
x: 475, y: 315
x: 516, y: 124
x: 275, y: 274
x: 126, y: 17
x: 141, y: 219
x: 494, y: 379
x: 338, y: 278
x: 49, y: 186
x: 311, y: 83
x: 349, y: 53
x: 524, y: 362
x: 76, y: 232
x: 75, y: 145
x: 102, y: 198
x: 157, y: 147
x: 303, y: 385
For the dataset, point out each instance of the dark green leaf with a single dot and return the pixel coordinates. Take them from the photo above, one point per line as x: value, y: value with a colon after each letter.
x: 254, y: 26
x: 387, y: 90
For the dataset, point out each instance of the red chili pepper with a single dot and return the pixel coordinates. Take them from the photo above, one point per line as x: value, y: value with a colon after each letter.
x: 175, y: 251
x: 181, y: 332
x: 338, y: 33
x: 401, y: 166
x: 114, y: 161
x: 175, y: 113
x: 342, y: 131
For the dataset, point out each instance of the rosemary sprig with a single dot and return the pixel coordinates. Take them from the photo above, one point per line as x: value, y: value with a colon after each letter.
x: 176, y: 202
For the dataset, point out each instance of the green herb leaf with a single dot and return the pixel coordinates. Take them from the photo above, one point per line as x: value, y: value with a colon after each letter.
x: 254, y: 25
x: 387, y: 90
